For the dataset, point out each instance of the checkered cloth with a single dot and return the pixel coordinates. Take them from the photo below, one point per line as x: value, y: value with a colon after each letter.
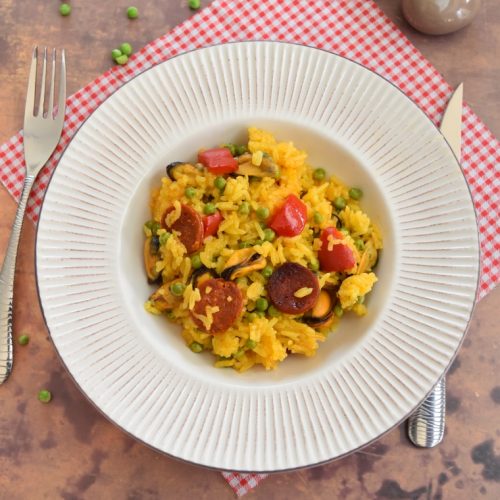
x: 356, y: 29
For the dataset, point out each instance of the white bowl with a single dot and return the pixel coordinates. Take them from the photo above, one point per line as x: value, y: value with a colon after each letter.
x: 371, y: 373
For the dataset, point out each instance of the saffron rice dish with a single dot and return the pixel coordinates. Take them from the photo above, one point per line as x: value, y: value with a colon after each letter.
x: 256, y: 254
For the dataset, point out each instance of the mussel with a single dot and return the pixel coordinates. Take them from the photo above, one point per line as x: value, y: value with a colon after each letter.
x: 322, y: 312
x: 243, y: 262
x: 202, y: 274
x: 181, y: 167
x: 267, y: 167
x: 150, y: 259
x: 163, y: 299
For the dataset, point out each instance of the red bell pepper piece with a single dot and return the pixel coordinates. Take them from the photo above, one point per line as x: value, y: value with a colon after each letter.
x: 211, y: 224
x: 218, y: 161
x: 339, y: 258
x: 290, y: 218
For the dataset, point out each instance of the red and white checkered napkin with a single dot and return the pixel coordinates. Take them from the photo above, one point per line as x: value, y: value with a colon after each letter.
x: 356, y: 29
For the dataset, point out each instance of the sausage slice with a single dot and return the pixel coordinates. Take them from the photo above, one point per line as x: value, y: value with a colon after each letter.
x: 189, y: 225
x: 284, y: 284
x: 225, y: 295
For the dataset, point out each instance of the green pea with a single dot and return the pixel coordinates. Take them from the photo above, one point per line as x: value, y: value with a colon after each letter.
x: 115, y: 53
x: 261, y: 304
x: 209, y: 209
x: 359, y: 244
x: 269, y: 234
x: 177, y: 289
x: 339, y: 203
x: 246, y: 244
x: 220, y: 183
x: 44, y: 396
x: 252, y: 316
x: 232, y: 148
x: 273, y: 312
x: 263, y: 212
x: 319, y: 174
x: 355, y: 193
x: 153, y: 226
x: 190, y: 192
x: 126, y: 48
x: 196, y: 261
x: 239, y: 353
x: 65, y: 9
x: 194, y: 4
x: 196, y: 347
x: 251, y: 344
x: 267, y: 271
x: 318, y: 218
x: 242, y: 282
x: 164, y: 238
x: 260, y: 314
x: 338, y: 310
x: 24, y: 339
x: 121, y: 60
x: 344, y: 231
x: 132, y: 12
x: 361, y: 299
x: 314, y: 265
x: 244, y: 208
x: 241, y: 150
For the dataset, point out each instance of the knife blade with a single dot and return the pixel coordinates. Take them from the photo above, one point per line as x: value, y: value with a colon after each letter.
x: 427, y: 423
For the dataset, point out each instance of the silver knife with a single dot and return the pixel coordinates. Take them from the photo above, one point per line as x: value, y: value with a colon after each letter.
x: 426, y: 425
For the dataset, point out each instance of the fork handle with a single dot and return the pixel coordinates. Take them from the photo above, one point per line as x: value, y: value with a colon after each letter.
x: 7, y: 285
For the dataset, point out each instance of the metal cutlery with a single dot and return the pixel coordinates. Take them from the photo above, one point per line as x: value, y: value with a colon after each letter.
x: 42, y: 131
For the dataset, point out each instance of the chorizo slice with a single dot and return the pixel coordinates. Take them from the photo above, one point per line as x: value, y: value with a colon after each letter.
x: 226, y: 296
x: 189, y: 226
x: 293, y: 289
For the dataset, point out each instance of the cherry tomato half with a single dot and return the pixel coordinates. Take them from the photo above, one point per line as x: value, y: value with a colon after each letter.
x: 339, y: 258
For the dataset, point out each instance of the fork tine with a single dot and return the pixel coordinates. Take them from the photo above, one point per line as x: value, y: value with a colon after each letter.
x: 30, y: 96
x: 62, y: 88
x: 50, y: 111
x: 42, y: 87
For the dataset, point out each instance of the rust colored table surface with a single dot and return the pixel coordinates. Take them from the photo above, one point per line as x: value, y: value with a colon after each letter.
x: 66, y: 449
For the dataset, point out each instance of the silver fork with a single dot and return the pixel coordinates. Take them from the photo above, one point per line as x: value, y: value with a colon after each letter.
x: 41, y: 135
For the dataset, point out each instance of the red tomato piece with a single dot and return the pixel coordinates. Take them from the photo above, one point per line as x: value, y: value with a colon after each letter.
x: 218, y: 161
x: 339, y: 258
x: 211, y: 224
x: 290, y: 218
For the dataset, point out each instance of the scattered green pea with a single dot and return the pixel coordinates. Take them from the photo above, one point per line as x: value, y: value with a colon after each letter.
x: 359, y: 244
x: 220, y: 183
x: 115, y: 53
x: 314, y: 265
x: 241, y: 150
x: 132, y: 12
x: 65, y: 9
x: 194, y: 4
x: 267, y: 271
x: 121, y: 60
x: 339, y: 203
x: 164, y: 237
x: 273, y: 312
x: 318, y: 218
x: 209, y: 209
x: 361, y: 299
x: 355, y: 193
x: 269, y: 234
x: 252, y: 316
x: 24, y: 339
x: 263, y: 212
x: 126, y: 48
x: 319, y: 174
x: 246, y: 244
x: 239, y: 353
x: 232, y: 148
x: 260, y: 314
x: 244, y: 208
x: 251, y: 344
x: 196, y: 261
x: 338, y: 311
x: 261, y: 304
x: 153, y: 226
x: 344, y: 231
x: 44, y: 396
x: 196, y: 347
x: 177, y: 289
x: 190, y: 192
x: 242, y: 282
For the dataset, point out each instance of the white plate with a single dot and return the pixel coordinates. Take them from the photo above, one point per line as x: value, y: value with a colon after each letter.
x: 370, y: 374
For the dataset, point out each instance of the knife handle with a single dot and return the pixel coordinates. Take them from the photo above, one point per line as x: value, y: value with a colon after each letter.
x: 426, y: 424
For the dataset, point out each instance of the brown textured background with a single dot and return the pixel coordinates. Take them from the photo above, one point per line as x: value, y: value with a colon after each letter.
x: 68, y: 450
